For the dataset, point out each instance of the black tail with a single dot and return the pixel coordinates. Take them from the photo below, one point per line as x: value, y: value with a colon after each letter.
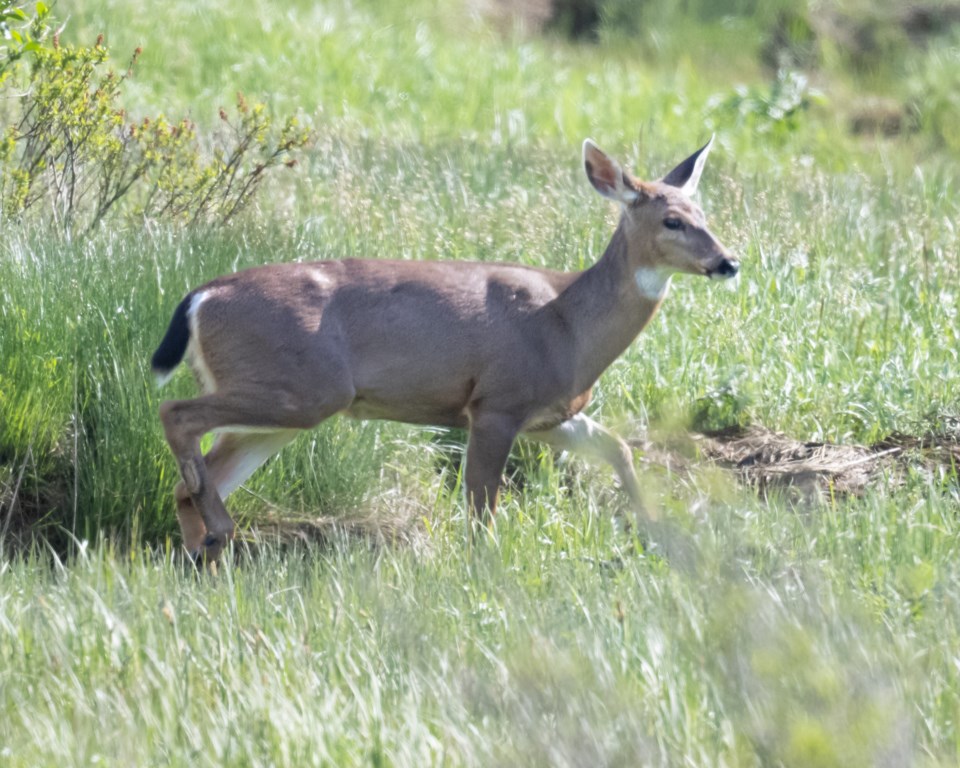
x: 174, y: 344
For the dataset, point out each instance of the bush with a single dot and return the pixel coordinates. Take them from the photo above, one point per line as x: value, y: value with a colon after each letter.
x: 776, y: 112
x: 70, y: 154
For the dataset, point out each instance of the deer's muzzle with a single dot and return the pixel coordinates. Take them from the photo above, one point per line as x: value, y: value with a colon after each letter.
x: 725, y: 269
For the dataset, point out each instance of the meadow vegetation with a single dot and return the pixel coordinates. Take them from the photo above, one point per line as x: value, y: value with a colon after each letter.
x: 755, y: 628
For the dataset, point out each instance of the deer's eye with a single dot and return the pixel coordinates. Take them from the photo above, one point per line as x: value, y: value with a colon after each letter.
x: 672, y: 223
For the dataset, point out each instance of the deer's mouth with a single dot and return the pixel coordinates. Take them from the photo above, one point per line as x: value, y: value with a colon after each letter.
x: 724, y: 270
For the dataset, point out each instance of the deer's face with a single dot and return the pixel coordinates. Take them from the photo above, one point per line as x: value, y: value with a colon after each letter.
x: 668, y: 232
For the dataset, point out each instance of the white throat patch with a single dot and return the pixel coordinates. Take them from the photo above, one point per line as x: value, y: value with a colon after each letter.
x: 652, y: 283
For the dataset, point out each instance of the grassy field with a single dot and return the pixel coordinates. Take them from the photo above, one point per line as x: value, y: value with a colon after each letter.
x: 756, y: 627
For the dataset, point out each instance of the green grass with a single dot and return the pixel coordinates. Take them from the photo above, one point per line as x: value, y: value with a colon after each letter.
x: 779, y: 639
x: 758, y: 631
x: 840, y: 328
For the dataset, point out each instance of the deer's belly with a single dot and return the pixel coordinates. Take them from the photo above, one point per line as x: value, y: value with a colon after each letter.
x: 432, y: 414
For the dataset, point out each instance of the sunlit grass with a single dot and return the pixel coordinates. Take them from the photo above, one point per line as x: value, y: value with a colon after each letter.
x: 553, y: 641
x: 842, y: 325
x: 743, y: 631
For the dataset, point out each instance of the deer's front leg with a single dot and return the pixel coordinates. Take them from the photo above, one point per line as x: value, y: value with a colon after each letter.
x: 491, y: 437
x: 584, y: 437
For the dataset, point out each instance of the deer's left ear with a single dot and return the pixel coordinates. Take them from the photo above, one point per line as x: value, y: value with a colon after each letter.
x: 607, y: 176
x: 687, y: 174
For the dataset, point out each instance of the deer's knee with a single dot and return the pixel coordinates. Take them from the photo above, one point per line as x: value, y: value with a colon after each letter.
x: 192, y: 474
x: 180, y: 493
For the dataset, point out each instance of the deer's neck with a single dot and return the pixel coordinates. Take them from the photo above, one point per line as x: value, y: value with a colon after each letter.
x: 607, y: 306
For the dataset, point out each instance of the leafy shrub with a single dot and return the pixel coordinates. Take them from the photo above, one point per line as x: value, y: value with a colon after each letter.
x: 23, y: 33
x: 720, y: 409
x: 70, y: 154
x: 634, y: 19
x: 776, y: 112
x: 577, y: 19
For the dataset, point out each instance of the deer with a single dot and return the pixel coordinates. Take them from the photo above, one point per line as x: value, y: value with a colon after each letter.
x: 502, y: 350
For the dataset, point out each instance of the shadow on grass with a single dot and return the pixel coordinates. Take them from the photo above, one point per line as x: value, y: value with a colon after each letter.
x: 38, y: 511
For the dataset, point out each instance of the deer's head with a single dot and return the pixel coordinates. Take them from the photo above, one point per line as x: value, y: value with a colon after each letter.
x: 665, y: 229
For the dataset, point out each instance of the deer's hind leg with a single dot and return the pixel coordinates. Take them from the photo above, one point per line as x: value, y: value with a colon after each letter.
x: 233, y: 457
x: 255, y: 427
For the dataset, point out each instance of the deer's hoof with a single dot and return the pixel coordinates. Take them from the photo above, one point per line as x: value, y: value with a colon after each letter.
x: 207, y: 554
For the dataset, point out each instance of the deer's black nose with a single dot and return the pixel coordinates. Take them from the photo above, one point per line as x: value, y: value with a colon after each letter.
x: 727, y: 268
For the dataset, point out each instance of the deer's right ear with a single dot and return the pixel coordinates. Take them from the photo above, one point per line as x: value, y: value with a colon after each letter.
x: 607, y: 176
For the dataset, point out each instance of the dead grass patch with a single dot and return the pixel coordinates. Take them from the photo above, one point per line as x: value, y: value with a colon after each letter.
x: 766, y: 460
x: 390, y: 520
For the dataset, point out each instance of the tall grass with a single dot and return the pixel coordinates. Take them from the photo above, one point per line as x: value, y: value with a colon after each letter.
x: 841, y: 327
x: 84, y: 319
x: 779, y: 641
x: 745, y: 631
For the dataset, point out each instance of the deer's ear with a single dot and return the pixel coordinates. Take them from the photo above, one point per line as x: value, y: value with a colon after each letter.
x: 607, y: 176
x: 687, y: 174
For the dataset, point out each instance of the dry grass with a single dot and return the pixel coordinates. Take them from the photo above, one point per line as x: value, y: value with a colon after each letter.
x: 811, y: 470
x: 391, y: 519
x: 769, y: 460
x: 530, y: 16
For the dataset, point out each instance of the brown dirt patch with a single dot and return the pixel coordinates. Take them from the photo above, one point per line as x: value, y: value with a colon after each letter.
x: 768, y: 460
